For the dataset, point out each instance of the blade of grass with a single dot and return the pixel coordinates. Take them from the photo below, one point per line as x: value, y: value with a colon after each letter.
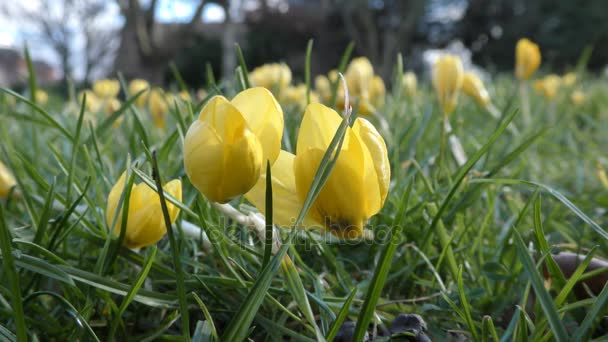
x: 307, y: 69
x: 207, y: 315
x: 342, y: 314
x: 244, y: 72
x: 8, y: 268
x: 544, y: 298
x: 269, y: 227
x: 181, y: 291
x: 594, y: 314
x: 381, y: 270
x: 341, y: 67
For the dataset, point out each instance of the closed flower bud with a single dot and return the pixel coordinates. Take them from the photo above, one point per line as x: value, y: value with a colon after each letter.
x: 271, y: 76
x: 359, y: 75
x: 41, y: 97
x: 145, y: 221
x: 137, y: 85
x: 569, y: 79
x: 447, y: 80
x: 577, y: 97
x: 527, y: 58
x: 106, y: 88
x: 473, y: 87
x: 410, y: 84
x: 7, y: 181
x: 377, y: 92
x: 225, y: 148
x: 323, y: 87
x: 93, y: 102
x: 357, y: 187
x: 550, y: 86
x: 158, y: 107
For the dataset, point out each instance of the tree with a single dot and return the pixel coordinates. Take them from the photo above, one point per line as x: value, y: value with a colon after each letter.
x: 79, y: 32
x: 146, y: 47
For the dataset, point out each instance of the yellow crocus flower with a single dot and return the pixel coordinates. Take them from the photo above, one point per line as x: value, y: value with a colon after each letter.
x: 137, y: 85
x: 527, y: 58
x: 473, y: 87
x: 296, y: 95
x: 447, y: 80
x: 550, y: 86
x: 106, y: 88
x: 41, y: 97
x: 158, y: 107
x: 93, y: 102
x: 226, y: 148
x: 410, y: 84
x: 145, y: 221
x: 359, y: 76
x: 7, y: 181
x: 577, y: 97
x: 271, y: 75
x: 358, y: 184
x: 569, y: 79
x: 377, y: 92
x: 323, y: 87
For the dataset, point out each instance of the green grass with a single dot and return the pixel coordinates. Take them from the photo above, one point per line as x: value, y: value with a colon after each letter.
x: 454, y: 247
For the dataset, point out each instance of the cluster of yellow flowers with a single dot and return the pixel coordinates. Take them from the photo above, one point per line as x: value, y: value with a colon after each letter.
x: 277, y: 77
x: 365, y: 88
x: 550, y: 85
x: 225, y: 153
x: 227, y: 147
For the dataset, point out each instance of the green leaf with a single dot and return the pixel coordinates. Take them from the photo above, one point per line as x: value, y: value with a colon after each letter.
x: 337, y: 323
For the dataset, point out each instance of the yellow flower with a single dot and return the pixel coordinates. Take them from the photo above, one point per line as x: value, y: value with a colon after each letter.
x: 110, y: 107
x: 145, y: 221
x: 359, y: 75
x: 473, y: 87
x: 287, y: 203
x: 201, y: 94
x: 577, y: 97
x: 358, y: 184
x: 106, y: 88
x: 410, y: 84
x: 7, y: 181
x: 41, y: 97
x: 323, y: 87
x: 377, y: 92
x: 271, y: 75
x: 447, y: 80
x: 296, y: 95
x: 550, y: 86
x: 569, y: 79
x: 158, y: 107
x: 137, y: 85
x: 227, y: 147
x: 93, y: 102
x: 527, y: 58
x: 184, y: 95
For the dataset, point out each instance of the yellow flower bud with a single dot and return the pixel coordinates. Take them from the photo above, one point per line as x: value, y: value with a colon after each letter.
x: 410, y: 84
x: 158, y: 107
x: 527, y: 58
x: 106, y: 88
x: 323, y: 87
x: 358, y: 184
x: 296, y: 95
x: 473, y: 87
x: 377, y: 92
x: 137, y: 85
x: 359, y: 75
x: 41, y: 97
x: 550, y: 86
x: 7, y: 181
x: 93, y: 102
x: 271, y: 75
x: 226, y: 147
x: 447, y: 80
x: 577, y: 97
x: 184, y: 95
x: 569, y: 79
x: 145, y: 221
